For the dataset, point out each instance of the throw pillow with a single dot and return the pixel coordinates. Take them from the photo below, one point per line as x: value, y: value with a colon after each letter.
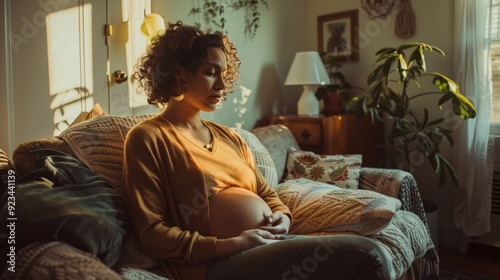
x: 340, y: 170
x: 262, y: 157
x: 85, y: 116
x: 322, y: 207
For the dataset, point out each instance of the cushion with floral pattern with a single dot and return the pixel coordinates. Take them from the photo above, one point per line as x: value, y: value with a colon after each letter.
x: 340, y: 170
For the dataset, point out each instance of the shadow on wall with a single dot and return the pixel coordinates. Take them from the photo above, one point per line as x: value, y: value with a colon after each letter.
x: 269, y: 98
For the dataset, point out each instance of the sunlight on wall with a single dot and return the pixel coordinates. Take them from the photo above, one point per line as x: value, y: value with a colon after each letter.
x: 241, y: 108
x: 69, y: 45
x: 134, y: 12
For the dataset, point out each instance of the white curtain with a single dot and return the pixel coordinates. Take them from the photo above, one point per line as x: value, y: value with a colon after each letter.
x: 474, y: 148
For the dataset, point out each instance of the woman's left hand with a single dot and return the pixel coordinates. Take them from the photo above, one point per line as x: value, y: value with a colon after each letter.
x: 279, y: 223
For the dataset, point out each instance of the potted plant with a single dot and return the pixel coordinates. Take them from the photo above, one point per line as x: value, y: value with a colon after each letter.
x: 389, y: 99
x: 336, y: 94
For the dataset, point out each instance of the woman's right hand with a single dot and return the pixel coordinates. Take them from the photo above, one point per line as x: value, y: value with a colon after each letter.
x: 248, y: 239
x: 257, y: 237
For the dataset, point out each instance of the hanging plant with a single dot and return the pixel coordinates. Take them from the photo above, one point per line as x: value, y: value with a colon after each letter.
x: 213, y: 14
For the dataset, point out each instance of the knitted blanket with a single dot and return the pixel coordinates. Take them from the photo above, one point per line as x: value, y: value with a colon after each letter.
x: 401, y: 184
x: 317, y: 207
x: 323, y: 209
x: 98, y: 143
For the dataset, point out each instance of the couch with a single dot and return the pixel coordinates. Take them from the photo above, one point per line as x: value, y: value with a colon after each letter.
x: 81, y: 170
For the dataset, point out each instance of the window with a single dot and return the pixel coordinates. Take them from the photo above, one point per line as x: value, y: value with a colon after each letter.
x: 495, y: 62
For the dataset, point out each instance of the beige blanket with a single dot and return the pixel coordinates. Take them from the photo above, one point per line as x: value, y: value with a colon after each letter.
x: 322, y: 209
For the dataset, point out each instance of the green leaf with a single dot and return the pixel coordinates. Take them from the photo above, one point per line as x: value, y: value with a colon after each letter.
x: 386, y: 69
x: 420, y: 59
x: 374, y: 75
x: 402, y: 68
x: 462, y: 106
x: 351, y: 104
x: 408, y: 45
x: 445, y: 98
x: 423, y: 124
x: 385, y: 51
x: 436, y: 122
x: 451, y: 171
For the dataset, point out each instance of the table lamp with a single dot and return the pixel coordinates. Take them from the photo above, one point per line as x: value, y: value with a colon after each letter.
x: 307, y: 70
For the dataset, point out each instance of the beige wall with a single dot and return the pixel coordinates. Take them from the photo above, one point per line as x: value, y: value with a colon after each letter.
x: 4, y: 117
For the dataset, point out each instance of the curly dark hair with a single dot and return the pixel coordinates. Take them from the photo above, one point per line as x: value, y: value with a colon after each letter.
x: 181, y: 47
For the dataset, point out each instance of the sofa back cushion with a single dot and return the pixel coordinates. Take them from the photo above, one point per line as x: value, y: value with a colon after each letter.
x: 98, y: 143
x: 277, y: 139
x: 262, y: 157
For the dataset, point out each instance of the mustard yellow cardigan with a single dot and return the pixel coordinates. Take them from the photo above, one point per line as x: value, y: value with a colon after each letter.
x: 167, y: 199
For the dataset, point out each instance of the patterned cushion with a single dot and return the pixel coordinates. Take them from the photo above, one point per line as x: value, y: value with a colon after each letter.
x: 262, y: 157
x: 340, y: 170
x: 321, y: 207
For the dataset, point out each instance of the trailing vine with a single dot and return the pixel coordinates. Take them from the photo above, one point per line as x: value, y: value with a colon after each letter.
x: 213, y: 14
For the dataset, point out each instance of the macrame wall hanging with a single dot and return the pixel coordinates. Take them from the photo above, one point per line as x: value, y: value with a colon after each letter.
x: 405, y: 22
x: 378, y: 8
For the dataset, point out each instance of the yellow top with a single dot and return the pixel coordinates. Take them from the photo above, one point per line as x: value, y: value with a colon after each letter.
x: 166, y: 191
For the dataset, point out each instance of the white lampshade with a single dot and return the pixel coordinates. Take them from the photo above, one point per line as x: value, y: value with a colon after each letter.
x: 307, y: 70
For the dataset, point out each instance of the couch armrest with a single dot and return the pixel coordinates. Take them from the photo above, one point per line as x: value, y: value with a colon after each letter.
x: 23, y: 160
x: 384, y: 181
x: 394, y: 183
x: 402, y: 185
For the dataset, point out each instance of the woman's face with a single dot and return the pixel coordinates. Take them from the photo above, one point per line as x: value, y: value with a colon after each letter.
x: 205, y: 89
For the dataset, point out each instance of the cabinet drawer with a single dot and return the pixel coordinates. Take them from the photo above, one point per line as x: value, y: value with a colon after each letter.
x: 307, y: 133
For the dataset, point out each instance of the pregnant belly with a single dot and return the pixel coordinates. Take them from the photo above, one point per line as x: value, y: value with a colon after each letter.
x: 234, y: 210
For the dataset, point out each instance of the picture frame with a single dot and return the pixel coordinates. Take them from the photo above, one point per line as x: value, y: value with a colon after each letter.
x: 338, y: 36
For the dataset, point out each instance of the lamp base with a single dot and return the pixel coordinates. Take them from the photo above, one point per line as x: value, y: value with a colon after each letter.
x: 308, y: 103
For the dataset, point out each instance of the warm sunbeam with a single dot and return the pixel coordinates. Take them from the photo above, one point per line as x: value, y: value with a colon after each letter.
x: 69, y: 45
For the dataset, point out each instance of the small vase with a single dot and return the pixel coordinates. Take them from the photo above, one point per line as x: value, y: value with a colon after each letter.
x: 333, y: 103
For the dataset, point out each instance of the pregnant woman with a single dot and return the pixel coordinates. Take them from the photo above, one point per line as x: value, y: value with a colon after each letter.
x: 196, y: 200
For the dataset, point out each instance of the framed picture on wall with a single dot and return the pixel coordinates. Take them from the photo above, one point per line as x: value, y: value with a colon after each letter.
x: 338, y: 35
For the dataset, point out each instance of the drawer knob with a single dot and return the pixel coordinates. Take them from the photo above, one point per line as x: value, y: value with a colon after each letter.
x: 305, y: 134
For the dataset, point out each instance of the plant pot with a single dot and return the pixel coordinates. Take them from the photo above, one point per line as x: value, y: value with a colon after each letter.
x: 333, y: 103
x: 432, y: 216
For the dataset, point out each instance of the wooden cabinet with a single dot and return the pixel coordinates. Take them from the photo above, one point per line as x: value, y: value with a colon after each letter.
x: 337, y: 134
